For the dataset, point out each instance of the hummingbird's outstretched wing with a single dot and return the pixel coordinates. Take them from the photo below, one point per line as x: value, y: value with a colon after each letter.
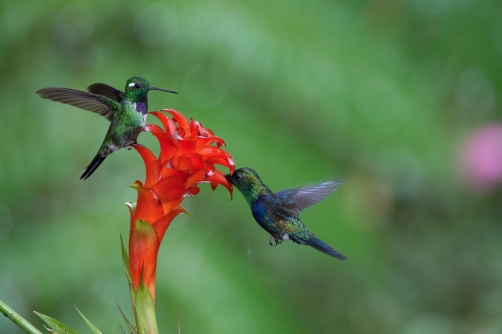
x: 296, y: 200
x: 108, y: 91
x: 98, y: 104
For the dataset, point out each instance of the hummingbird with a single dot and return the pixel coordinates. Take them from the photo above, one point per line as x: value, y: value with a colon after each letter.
x: 127, y: 112
x: 279, y: 213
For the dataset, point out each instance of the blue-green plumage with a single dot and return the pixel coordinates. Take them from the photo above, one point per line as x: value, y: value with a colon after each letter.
x: 127, y: 112
x: 279, y: 213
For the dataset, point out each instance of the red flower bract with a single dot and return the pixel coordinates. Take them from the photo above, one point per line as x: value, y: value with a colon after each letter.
x: 187, y: 157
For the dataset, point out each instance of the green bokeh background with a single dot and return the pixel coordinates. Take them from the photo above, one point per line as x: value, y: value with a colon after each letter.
x: 302, y: 91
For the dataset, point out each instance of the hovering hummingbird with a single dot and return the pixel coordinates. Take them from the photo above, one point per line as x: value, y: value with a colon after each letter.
x: 126, y: 111
x: 279, y: 213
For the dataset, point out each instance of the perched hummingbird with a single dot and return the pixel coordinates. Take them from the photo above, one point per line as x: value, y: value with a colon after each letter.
x: 279, y: 213
x: 126, y: 111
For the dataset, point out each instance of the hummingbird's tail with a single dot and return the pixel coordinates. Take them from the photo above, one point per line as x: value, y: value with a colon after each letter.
x: 98, y: 159
x: 320, y: 245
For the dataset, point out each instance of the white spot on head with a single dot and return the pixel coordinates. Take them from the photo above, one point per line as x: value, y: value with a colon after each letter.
x: 131, y: 84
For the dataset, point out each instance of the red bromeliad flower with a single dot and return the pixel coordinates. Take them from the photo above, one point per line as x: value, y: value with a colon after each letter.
x: 187, y: 157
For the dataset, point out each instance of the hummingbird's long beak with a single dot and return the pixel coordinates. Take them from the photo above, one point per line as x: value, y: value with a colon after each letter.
x: 164, y: 90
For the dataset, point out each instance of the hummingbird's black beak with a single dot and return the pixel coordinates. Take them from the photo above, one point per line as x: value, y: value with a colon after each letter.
x: 229, y: 178
x: 164, y: 90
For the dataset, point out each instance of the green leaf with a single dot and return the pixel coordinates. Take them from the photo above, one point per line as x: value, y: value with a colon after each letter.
x: 130, y: 325
x: 145, y: 308
x: 125, y: 259
x: 91, y: 326
x: 58, y: 327
x: 17, y: 319
x: 187, y: 213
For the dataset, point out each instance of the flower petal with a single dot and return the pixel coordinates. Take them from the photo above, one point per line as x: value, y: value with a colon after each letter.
x: 169, y: 189
x: 194, y: 190
x: 219, y: 178
x: 144, y: 244
x: 163, y: 223
x: 168, y: 206
x: 195, y: 178
x: 180, y: 119
x: 148, y: 207
x: 167, y: 172
x: 191, y: 163
x: 186, y: 147
x: 209, y: 168
x: 217, y: 156
x: 167, y: 145
x: 152, y: 165
x: 211, y: 151
x: 194, y: 129
x: 168, y: 123
x: 206, y: 141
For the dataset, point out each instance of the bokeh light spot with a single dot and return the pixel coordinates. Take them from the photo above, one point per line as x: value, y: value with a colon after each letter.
x: 205, y: 87
x: 156, y: 25
x: 378, y: 98
x: 430, y: 324
x: 481, y: 158
x: 474, y: 91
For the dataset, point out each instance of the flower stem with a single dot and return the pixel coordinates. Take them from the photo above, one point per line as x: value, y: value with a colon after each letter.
x: 17, y: 319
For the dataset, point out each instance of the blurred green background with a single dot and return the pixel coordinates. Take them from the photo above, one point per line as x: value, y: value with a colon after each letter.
x: 302, y: 91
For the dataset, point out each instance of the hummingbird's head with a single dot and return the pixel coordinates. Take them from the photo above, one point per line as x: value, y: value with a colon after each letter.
x: 247, y: 181
x: 138, y: 88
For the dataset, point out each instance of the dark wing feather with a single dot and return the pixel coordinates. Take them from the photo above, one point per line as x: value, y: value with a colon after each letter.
x: 87, y: 101
x: 107, y: 91
x: 296, y: 200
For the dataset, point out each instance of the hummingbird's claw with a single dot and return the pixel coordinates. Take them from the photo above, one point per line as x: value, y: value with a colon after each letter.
x: 275, y: 241
x: 270, y: 241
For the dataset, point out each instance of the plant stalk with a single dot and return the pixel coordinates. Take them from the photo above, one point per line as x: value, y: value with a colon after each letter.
x: 17, y: 319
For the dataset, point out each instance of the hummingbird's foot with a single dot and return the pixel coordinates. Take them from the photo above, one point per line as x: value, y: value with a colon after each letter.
x: 129, y: 148
x: 270, y: 241
x: 273, y: 241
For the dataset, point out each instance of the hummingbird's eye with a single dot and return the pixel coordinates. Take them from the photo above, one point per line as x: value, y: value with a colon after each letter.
x: 238, y: 176
x: 137, y: 85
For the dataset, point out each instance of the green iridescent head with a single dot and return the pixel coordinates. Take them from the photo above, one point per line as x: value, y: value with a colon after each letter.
x: 247, y: 181
x: 137, y: 89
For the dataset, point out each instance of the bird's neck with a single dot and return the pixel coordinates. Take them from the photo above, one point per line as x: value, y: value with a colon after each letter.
x: 142, y: 107
x: 138, y: 105
x: 251, y: 194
